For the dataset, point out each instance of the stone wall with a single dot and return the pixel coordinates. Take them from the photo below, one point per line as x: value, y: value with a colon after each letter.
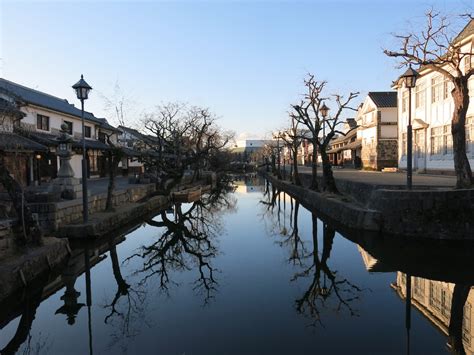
x: 440, y: 214
x: 387, y: 154
x: 421, y: 213
x: 51, y: 215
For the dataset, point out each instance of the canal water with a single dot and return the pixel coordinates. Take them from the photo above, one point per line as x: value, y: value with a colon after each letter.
x: 246, y: 270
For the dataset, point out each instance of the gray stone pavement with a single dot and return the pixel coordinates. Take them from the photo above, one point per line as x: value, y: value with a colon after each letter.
x: 386, y: 178
x: 97, y: 186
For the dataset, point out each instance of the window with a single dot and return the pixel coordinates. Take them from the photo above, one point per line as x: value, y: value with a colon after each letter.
x: 102, y: 137
x: 441, y: 140
x: 42, y: 122
x: 420, y: 96
x: 448, y: 140
x: 87, y: 131
x: 446, y: 88
x: 404, y: 144
x: 470, y: 134
x: 69, y: 126
x: 467, y: 63
x: 437, y: 140
x: 404, y: 101
x: 437, y: 89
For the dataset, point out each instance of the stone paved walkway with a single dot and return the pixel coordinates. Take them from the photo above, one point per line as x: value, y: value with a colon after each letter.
x: 386, y: 178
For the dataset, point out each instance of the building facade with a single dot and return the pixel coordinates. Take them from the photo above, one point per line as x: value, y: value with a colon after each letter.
x: 431, y: 112
x: 43, y: 115
x: 377, y: 121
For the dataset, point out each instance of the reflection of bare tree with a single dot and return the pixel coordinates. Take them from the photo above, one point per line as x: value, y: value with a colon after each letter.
x: 32, y: 300
x: 293, y: 239
x: 290, y: 237
x: 318, y: 296
x: 125, y: 314
x: 188, y: 241
x: 460, y: 294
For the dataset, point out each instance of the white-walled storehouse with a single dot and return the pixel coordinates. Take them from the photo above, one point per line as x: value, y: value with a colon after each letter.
x: 431, y: 112
x: 377, y: 130
x: 43, y: 116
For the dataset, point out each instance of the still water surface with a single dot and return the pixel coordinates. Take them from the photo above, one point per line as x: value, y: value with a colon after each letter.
x: 245, y: 271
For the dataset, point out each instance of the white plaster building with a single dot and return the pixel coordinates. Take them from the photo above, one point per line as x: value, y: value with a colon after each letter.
x: 377, y: 130
x: 43, y: 116
x: 432, y: 108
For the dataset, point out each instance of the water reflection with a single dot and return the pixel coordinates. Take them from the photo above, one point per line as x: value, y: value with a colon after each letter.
x: 187, y: 242
x: 327, y: 289
x: 296, y: 271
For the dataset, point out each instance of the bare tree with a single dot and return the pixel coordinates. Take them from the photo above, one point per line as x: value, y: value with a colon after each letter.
x: 293, y: 137
x: 186, y: 137
x: 119, y: 105
x: 434, y: 48
x: 308, y: 113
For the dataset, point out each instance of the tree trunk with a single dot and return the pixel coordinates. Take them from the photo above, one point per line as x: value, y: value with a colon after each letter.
x: 296, y: 175
x: 314, y: 167
x: 31, y: 230
x: 329, y: 184
x: 462, y: 167
x: 460, y: 294
x: 111, y: 187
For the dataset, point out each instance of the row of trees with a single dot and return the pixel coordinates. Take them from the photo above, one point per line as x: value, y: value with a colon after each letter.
x: 310, y: 120
x: 187, y: 138
x: 434, y: 48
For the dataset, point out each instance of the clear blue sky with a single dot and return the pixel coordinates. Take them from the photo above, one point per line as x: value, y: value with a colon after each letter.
x: 245, y: 60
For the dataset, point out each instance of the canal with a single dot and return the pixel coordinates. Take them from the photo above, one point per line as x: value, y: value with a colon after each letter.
x: 246, y: 270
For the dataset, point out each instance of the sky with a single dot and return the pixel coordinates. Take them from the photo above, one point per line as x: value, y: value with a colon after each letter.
x: 244, y: 60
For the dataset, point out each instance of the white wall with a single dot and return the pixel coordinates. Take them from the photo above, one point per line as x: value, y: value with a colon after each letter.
x: 55, y: 120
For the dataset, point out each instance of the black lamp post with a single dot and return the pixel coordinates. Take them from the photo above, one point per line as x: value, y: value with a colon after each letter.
x: 323, y: 110
x: 409, y: 80
x: 82, y: 91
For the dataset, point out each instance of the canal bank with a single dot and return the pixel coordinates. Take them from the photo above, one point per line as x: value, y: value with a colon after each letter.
x: 20, y: 267
x: 431, y: 212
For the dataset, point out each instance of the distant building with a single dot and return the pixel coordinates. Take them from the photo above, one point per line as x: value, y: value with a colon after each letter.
x: 377, y: 130
x: 245, y: 150
x: 345, y: 150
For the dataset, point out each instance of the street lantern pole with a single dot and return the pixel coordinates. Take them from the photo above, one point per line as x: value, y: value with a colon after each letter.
x: 409, y: 80
x: 85, y: 199
x: 82, y: 92
x: 409, y: 144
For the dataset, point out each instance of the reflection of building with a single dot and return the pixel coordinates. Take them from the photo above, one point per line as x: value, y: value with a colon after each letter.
x: 369, y: 261
x: 433, y: 299
x: 249, y: 184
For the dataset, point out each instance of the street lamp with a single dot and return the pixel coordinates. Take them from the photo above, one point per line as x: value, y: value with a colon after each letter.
x: 409, y: 80
x: 82, y: 91
x: 324, y: 110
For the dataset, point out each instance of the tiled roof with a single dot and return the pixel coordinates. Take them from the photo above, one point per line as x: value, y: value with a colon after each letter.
x: 467, y: 31
x: 51, y: 102
x: 9, y: 109
x: 384, y: 98
x: 91, y: 144
x: 14, y: 142
x: 144, y: 137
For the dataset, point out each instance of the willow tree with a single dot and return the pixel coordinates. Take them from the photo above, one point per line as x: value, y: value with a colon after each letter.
x: 434, y: 48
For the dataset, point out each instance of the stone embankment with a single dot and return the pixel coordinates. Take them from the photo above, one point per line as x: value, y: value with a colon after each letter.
x: 425, y: 212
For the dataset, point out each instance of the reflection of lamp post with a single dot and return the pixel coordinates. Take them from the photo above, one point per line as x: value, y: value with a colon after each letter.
x: 82, y: 92
x: 409, y: 79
